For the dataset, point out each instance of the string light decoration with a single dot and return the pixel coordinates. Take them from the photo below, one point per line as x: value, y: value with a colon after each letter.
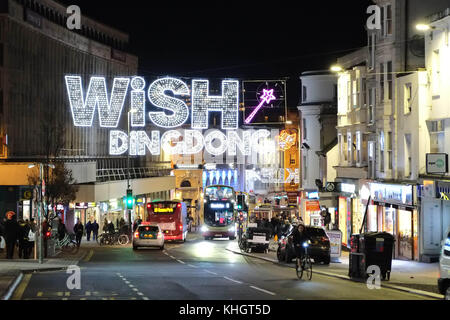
x: 109, y: 111
x: 189, y: 137
x: 132, y: 148
x: 286, y: 140
x: 138, y: 102
x: 227, y: 103
x: 118, y: 142
x: 143, y: 142
x: 261, y: 147
x: 167, y: 141
x: 218, y: 136
x: 179, y: 109
x: 234, y: 141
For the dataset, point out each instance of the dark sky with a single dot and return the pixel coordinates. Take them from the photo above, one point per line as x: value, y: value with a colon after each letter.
x: 235, y: 39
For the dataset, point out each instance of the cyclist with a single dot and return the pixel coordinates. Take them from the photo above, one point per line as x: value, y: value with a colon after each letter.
x: 299, y: 236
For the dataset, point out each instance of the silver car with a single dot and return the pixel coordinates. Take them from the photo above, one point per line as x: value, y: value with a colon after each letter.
x: 148, y: 235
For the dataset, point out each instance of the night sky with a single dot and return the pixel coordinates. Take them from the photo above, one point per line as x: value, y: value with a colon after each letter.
x: 235, y: 39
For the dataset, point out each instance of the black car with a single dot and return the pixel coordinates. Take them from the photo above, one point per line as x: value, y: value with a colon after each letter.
x: 319, y: 249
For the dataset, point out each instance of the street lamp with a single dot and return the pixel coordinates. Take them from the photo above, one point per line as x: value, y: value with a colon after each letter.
x: 41, y: 204
x: 336, y: 68
x: 426, y: 27
x: 131, y: 111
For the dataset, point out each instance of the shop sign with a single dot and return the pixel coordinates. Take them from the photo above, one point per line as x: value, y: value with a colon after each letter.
x: 392, y: 193
x: 312, y: 195
x: 312, y: 206
x: 292, y: 197
x: 81, y: 205
x: 437, y: 163
x: 335, y: 237
x: 347, y: 187
x: 443, y: 190
x: 92, y: 204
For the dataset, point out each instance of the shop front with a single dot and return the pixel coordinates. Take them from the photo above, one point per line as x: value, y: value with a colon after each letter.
x: 350, y: 215
x: 396, y: 214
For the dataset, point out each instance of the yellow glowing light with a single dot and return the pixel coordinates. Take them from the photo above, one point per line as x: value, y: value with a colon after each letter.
x: 286, y: 141
x: 336, y: 68
x: 423, y: 27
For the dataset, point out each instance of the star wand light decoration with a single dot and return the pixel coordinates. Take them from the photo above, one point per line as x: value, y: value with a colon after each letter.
x: 265, y: 99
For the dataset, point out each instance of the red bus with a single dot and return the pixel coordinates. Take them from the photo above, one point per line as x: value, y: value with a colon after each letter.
x: 171, y: 216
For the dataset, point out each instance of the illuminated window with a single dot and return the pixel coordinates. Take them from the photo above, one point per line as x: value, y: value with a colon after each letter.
x: 381, y: 82
x: 381, y: 151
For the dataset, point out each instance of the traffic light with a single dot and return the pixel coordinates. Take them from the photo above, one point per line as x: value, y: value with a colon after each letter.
x: 129, y: 199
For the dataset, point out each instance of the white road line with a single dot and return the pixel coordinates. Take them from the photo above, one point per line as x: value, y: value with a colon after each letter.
x: 233, y: 280
x: 135, y: 289
x: 211, y: 272
x: 131, y: 286
x: 192, y: 266
x: 145, y: 298
x: 181, y: 261
x: 172, y: 257
x: 140, y: 293
x: 262, y: 290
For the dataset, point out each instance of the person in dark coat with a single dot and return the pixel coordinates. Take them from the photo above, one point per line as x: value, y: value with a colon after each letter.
x: 11, y: 230
x: 61, y: 230
x: 78, y: 229
x: 111, y: 228
x: 88, y: 230
x: 95, y: 228
x: 24, y: 230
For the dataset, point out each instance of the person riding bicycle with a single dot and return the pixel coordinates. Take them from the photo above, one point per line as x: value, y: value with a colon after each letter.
x: 299, y: 236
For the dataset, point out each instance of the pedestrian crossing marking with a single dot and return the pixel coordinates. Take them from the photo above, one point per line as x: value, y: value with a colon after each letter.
x: 83, y: 299
x: 65, y: 299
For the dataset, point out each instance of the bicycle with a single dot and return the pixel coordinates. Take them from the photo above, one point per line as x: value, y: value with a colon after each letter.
x: 304, y: 264
x: 67, y: 244
x: 113, y: 238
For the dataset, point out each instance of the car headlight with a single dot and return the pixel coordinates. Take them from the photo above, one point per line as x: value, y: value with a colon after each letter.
x: 232, y: 229
x: 204, y: 229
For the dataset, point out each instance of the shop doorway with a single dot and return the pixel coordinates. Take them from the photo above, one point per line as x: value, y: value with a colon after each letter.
x: 406, y: 235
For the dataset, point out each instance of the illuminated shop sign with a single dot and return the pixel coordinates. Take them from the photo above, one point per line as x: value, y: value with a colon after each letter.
x: 392, y: 193
x: 172, y: 112
x: 312, y: 195
x: 347, y: 187
x: 216, y: 205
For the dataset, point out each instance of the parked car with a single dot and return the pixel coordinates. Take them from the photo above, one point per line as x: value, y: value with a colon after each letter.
x: 319, y: 249
x: 148, y: 235
x: 444, y: 264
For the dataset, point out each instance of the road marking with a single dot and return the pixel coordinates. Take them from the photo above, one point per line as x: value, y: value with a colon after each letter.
x: 211, y: 272
x: 64, y: 299
x: 172, y: 257
x: 233, y: 280
x: 59, y: 294
x: 262, y: 290
x: 140, y: 293
x: 89, y: 256
x: 39, y: 294
x: 135, y: 289
x: 145, y: 298
x: 181, y: 261
x: 131, y: 286
x: 127, y: 282
x: 83, y: 299
x: 88, y: 293
x: 192, y: 266
x: 21, y: 289
x: 67, y: 294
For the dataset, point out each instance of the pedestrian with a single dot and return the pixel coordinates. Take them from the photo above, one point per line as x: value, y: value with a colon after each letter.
x: 61, y: 230
x: 11, y: 229
x: 88, y: 230
x: 31, y: 237
x: 111, y: 228
x: 105, y: 225
x: 24, y: 230
x: 78, y: 230
x: 95, y: 228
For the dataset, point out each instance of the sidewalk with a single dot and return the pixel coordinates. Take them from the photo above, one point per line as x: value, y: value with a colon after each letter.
x: 417, y: 277
x: 11, y: 271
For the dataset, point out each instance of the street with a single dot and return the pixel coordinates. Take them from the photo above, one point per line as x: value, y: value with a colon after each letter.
x: 195, y: 270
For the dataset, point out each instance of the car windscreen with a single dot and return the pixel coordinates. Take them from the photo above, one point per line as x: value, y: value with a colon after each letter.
x: 315, y: 232
x: 148, y: 229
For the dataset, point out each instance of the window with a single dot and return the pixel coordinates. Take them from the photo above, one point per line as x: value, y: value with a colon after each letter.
x: 407, y: 155
x: 371, y: 46
x: 388, y: 20
x: 304, y: 93
x: 371, y: 152
x: 381, y: 151
x: 349, y: 95
x: 389, y: 150
x: 437, y: 136
x: 436, y: 69
x: 381, y: 82
x: 363, y: 92
x: 304, y: 129
x: 356, y: 92
x: 349, y: 147
x: 305, y: 168
x: 389, y: 79
x: 407, y: 95
x: 372, y: 104
x: 341, y: 148
x: 358, y: 147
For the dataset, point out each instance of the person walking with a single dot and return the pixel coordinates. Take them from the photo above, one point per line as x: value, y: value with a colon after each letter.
x: 24, y: 230
x: 111, y: 229
x: 78, y: 229
x: 11, y: 229
x: 88, y: 230
x: 61, y: 230
x: 31, y: 237
x: 95, y: 228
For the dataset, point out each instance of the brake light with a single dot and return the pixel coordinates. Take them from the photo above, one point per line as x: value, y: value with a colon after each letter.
x: 149, y: 205
x: 324, y: 239
x: 178, y: 205
x: 181, y: 227
x: 136, y: 235
x: 48, y: 234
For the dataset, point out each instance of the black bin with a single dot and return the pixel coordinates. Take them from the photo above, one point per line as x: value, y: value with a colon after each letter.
x: 356, y: 258
x: 377, y: 248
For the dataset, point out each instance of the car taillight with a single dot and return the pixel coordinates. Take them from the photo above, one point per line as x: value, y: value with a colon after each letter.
x: 136, y: 235
x: 324, y: 239
x: 178, y: 205
x: 48, y: 234
x: 181, y: 227
x: 149, y: 205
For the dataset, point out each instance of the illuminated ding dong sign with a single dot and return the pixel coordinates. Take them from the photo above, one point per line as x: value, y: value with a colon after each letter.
x: 168, y: 96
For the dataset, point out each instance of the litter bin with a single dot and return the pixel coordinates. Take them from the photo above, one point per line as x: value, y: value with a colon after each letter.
x: 355, y: 264
x: 377, y: 248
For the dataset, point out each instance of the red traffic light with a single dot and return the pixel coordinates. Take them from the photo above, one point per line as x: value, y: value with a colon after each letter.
x: 178, y: 205
x: 149, y: 205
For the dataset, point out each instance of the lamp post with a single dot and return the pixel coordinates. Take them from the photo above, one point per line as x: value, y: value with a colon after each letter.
x: 40, y: 196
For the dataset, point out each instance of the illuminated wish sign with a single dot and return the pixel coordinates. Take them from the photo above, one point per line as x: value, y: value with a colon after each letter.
x: 173, y: 114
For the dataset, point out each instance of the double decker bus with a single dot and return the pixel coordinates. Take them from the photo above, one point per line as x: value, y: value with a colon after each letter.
x: 219, y: 218
x: 171, y: 216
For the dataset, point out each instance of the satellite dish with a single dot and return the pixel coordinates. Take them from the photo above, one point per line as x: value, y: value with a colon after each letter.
x: 417, y: 46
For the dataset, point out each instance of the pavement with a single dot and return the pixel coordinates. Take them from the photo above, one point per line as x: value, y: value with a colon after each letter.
x: 418, y: 277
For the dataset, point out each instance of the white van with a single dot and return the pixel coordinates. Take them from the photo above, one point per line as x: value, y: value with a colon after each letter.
x: 444, y: 264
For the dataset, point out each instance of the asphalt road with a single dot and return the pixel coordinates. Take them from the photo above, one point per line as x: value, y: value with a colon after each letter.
x: 195, y: 270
